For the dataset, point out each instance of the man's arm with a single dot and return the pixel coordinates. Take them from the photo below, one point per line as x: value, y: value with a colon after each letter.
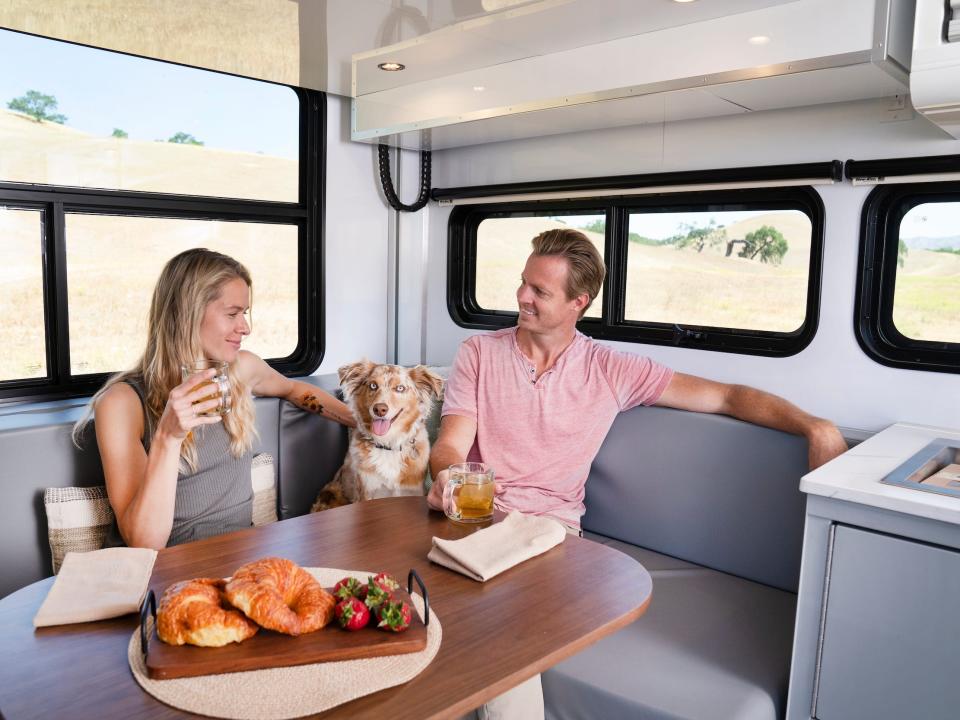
x: 453, y: 444
x: 688, y: 392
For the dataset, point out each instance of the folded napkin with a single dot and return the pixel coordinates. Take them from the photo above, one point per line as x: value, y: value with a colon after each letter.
x: 97, y: 585
x: 488, y: 552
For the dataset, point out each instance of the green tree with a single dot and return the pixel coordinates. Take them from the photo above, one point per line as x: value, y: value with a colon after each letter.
x: 597, y: 226
x: 902, y: 251
x: 767, y: 242
x: 118, y: 133
x: 699, y: 238
x: 182, y: 138
x: 38, y: 106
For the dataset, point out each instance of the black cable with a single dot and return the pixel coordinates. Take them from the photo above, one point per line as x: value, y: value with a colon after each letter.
x: 387, y: 182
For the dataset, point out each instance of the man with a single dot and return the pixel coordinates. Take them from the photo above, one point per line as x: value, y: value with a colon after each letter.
x: 536, y: 401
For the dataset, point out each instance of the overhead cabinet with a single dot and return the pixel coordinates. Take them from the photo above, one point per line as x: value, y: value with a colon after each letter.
x: 461, y: 90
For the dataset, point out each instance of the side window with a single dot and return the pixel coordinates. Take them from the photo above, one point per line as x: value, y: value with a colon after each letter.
x: 736, y: 271
x: 908, y: 294
x: 503, y: 244
x: 739, y: 269
x: 112, y: 164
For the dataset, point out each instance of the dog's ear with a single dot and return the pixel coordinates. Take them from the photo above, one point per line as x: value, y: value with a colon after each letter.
x: 352, y: 374
x: 426, y: 381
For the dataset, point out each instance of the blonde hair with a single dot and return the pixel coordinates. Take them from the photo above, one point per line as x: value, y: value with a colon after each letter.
x: 585, y: 268
x: 187, y: 284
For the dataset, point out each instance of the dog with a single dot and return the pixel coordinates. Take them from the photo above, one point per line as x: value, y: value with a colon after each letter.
x: 389, y: 449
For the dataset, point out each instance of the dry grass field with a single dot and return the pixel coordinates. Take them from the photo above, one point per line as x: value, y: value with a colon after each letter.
x: 682, y: 286
x: 113, y: 262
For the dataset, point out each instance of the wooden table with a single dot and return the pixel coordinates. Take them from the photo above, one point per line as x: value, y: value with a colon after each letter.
x: 495, y: 634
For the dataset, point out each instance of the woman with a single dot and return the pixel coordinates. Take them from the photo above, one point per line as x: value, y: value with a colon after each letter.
x: 174, y: 474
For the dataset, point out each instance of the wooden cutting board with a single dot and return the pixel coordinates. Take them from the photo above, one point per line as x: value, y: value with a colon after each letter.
x: 268, y: 649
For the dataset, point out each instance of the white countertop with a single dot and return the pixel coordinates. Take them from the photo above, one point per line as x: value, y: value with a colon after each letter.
x: 855, y: 476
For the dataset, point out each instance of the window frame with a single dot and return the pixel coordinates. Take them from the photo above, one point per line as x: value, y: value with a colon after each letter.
x: 306, y: 214
x: 462, y: 251
x: 876, y: 333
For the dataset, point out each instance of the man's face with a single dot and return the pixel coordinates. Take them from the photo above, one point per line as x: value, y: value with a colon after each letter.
x: 542, y: 295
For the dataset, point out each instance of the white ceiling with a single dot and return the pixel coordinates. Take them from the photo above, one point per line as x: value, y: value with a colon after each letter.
x: 485, y: 70
x: 313, y: 43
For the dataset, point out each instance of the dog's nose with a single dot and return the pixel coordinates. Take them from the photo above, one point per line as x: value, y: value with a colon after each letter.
x: 380, y: 409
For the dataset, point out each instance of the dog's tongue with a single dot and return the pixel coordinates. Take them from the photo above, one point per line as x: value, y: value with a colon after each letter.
x: 381, y: 426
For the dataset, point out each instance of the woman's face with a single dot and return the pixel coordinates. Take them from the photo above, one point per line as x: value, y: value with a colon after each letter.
x: 225, y: 321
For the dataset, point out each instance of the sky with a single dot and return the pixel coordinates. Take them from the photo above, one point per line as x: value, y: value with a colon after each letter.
x: 940, y: 219
x: 151, y: 100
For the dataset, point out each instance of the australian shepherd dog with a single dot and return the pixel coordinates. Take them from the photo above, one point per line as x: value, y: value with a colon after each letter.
x: 389, y: 449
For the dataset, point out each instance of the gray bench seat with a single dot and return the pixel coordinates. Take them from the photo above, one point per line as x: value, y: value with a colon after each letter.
x: 712, y: 508
x: 711, y: 645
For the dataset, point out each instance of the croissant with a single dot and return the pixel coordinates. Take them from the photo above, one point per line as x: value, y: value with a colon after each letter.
x: 194, y: 612
x: 280, y: 595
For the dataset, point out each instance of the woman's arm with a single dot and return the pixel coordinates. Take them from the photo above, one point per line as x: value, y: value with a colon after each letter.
x: 264, y: 381
x: 142, y: 488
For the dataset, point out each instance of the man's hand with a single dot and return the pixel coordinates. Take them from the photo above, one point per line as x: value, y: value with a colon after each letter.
x: 435, y: 496
x: 825, y: 442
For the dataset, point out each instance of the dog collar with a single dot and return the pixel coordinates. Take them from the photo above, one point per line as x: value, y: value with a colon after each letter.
x: 369, y: 439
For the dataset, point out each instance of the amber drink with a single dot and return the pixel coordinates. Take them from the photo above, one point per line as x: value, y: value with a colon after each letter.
x: 468, y: 496
x: 218, y: 385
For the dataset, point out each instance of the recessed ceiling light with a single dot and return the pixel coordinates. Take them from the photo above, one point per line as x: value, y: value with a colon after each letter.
x: 759, y: 40
x: 391, y: 66
x: 683, y: 1
x: 479, y: 88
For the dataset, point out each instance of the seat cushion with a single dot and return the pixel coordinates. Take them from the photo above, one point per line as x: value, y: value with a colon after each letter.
x: 710, y: 645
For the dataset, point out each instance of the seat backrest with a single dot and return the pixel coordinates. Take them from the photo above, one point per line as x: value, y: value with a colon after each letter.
x: 703, y: 488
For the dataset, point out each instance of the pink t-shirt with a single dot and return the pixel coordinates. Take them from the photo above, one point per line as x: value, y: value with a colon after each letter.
x: 541, y: 437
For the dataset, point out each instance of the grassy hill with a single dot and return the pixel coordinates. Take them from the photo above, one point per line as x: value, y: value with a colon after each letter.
x: 668, y: 285
x: 48, y: 153
x: 113, y: 262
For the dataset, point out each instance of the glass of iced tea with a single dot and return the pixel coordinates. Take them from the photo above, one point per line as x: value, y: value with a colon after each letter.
x: 219, y: 384
x: 468, y: 495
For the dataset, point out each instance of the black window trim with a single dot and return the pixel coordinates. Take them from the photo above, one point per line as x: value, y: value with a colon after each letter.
x: 461, y: 267
x: 306, y: 214
x: 878, y: 337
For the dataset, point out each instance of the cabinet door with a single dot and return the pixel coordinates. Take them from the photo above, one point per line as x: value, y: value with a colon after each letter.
x: 890, y: 640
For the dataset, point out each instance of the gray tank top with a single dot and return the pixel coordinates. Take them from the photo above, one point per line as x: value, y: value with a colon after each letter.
x: 218, y: 497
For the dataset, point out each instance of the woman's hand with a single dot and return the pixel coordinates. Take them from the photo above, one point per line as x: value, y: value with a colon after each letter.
x: 187, y: 404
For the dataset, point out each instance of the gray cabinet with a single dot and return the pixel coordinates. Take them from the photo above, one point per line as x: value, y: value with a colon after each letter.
x: 889, y: 645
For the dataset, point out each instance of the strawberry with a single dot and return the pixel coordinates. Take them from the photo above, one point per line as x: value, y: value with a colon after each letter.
x: 376, y: 596
x: 350, y: 587
x: 385, y: 582
x: 394, y: 616
x: 352, y: 614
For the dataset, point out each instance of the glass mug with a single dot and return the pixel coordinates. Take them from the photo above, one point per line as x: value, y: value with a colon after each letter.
x: 219, y: 384
x: 468, y: 495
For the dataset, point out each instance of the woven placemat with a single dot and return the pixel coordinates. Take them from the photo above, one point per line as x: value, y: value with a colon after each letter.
x: 289, y: 692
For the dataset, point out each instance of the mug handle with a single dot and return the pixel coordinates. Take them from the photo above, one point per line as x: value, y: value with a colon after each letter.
x: 448, y: 497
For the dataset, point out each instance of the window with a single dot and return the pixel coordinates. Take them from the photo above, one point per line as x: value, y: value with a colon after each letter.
x: 21, y: 293
x: 503, y: 244
x: 109, y: 166
x: 908, y: 295
x: 729, y: 270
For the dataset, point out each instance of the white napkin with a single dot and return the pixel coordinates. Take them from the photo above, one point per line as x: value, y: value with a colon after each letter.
x: 488, y: 552
x: 97, y: 585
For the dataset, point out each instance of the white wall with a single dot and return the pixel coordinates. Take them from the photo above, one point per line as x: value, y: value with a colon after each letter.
x: 356, y: 297
x: 831, y: 377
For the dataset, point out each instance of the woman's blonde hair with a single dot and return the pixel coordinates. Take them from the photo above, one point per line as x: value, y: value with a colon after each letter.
x: 187, y: 284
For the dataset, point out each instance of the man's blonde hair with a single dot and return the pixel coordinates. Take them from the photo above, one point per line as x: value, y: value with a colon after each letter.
x: 585, y: 268
x: 187, y: 284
